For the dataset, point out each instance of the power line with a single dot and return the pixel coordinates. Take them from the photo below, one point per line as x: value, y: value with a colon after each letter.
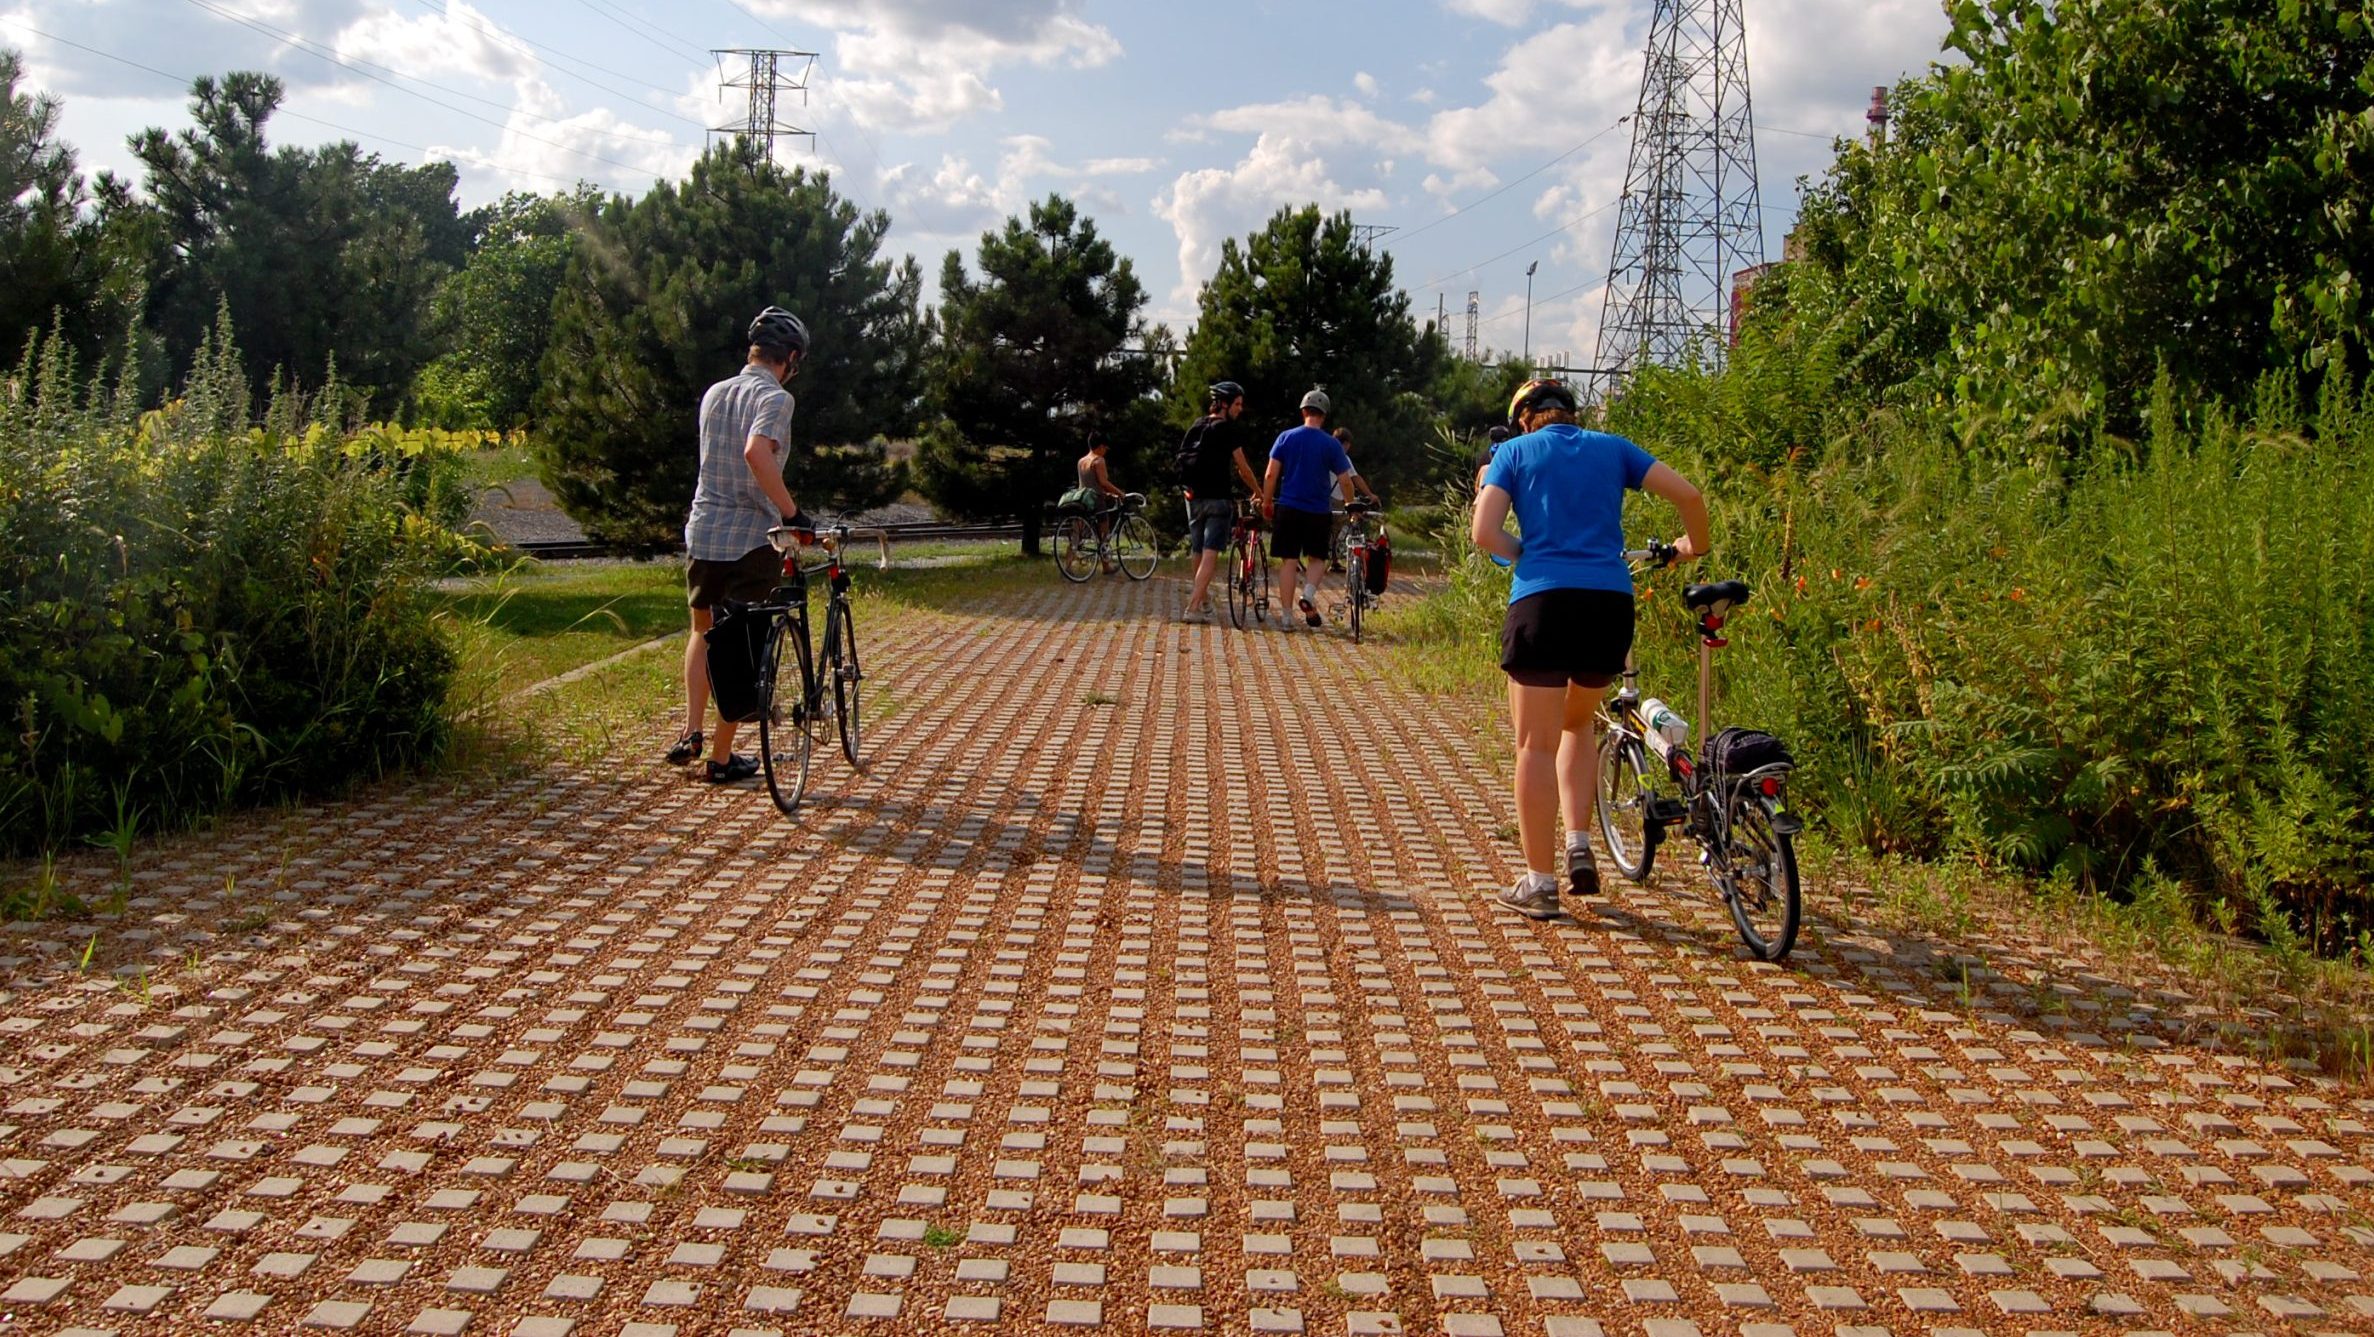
x: 528, y: 45
x: 1569, y: 223
x: 322, y: 52
x: 640, y: 28
x: 184, y: 81
x: 1423, y: 227
x: 299, y: 44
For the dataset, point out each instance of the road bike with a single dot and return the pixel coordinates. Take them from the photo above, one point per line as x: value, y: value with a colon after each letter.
x: 1117, y: 536
x: 829, y: 677
x: 1730, y: 802
x: 1248, y: 568
x: 1360, y: 544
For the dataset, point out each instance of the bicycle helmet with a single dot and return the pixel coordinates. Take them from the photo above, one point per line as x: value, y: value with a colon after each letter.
x: 1317, y: 399
x: 1539, y: 393
x: 777, y: 331
x: 1224, y: 391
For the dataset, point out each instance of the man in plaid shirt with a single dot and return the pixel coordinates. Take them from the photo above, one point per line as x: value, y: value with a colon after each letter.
x: 745, y: 440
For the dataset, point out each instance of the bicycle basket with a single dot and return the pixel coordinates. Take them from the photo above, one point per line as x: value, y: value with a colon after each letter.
x: 737, y: 647
x: 1380, y: 565
x: 1735, y: 752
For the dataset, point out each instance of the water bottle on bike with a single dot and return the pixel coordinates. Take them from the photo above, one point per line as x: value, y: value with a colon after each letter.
x: 1667, y: 730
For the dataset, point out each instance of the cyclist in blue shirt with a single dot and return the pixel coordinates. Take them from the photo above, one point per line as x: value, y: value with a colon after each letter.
x: 1298, y: 498
x: 1569, y: 624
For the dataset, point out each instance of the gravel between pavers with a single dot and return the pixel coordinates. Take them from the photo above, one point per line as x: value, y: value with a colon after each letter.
x: 1147, y: 977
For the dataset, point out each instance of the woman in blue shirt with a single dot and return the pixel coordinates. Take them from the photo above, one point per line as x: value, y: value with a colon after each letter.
x: 1569, y: 623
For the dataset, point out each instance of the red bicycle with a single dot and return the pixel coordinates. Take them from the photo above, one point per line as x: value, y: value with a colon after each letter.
x: 1367, y: 557
x: 1248, y: 569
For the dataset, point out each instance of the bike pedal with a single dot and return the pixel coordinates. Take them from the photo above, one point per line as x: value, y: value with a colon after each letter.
x: 1667, y: 811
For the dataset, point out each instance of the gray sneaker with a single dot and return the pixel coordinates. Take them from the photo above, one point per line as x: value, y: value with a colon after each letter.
x: 1530, y: 901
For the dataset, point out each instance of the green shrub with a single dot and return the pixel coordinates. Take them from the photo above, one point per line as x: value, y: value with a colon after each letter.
x: 196, y: 611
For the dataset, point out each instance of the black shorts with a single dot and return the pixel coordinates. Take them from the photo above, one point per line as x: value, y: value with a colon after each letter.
x: 1567, y: 636
x: 746, y: 579
x: 1300, y: 533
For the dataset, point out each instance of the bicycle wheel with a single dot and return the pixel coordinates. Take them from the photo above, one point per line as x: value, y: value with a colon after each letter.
x: 1133, y: 546
x: 1075, y: 549
x: 1355, y: 588
x: 1260, y: 557
x: 786, y: 735
x: 1240, y: 594
x: 1759, y: 877
x: 1624, y: 825
x: 842, y: 637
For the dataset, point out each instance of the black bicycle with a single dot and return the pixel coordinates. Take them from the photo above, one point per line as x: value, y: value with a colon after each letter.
x: 789, y: 722
x: 1115, y: 536
x: 1730, y: 800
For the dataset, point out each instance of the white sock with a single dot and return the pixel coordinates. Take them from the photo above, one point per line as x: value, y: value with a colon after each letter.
x: 1537, y: 882
x: 1577, y: 840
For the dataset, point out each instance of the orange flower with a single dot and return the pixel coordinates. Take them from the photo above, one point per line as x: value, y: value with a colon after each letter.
x: 1862, y: 582
x: 2018, y: 595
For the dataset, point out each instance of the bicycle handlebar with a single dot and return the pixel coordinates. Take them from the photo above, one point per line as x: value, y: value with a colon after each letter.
x: 1655, y: 556
x: 832, y: 538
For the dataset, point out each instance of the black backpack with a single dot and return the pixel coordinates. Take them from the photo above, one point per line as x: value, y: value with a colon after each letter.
x: 737, y: 649
x: 1735, y: 752
x: 1190, y: 450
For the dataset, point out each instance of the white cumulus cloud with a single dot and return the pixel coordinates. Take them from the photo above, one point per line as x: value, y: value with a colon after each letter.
x: 1210, y: 204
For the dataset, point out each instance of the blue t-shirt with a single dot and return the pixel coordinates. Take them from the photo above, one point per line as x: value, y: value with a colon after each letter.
x: 1309, y: 458
x: 1566, y: 487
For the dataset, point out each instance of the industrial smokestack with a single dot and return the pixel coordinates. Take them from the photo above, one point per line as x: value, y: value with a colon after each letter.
x: 1877, y: 116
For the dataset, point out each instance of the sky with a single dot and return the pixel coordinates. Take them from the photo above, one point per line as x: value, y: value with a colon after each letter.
x: 1488, y: 134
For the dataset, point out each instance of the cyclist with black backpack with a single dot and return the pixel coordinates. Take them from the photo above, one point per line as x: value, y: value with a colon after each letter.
x: 1211, y: 461
x: 745, y: 436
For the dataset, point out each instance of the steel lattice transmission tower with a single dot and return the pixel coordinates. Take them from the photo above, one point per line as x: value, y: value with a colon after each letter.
x: 766, y: 76
x: 1690, y: 215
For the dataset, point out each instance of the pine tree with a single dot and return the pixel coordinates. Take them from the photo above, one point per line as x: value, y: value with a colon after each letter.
x: 656, y: 307
x: 1301, y: 304
x: 1045, y: 346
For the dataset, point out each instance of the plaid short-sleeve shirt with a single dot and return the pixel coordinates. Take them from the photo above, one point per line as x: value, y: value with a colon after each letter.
x: 730, y: 514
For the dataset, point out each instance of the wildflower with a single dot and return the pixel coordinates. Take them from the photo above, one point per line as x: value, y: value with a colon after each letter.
x: 2018, y: 595
x: 1862, y: 582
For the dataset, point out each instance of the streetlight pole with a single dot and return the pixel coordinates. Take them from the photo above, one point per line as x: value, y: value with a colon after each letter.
x: 1529, y: 309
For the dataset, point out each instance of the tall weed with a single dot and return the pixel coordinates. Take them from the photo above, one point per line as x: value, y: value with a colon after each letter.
x: 200, y: 606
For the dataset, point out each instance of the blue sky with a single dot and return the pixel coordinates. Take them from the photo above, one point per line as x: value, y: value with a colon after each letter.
x: 1174, y: 125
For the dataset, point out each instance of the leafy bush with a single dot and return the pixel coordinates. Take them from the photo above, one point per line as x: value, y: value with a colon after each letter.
x: 196, y: 611
x: 2158, y: 659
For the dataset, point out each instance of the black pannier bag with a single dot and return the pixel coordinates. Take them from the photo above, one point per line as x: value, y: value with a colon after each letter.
x: 1735, y: 751
x: 737, y: 648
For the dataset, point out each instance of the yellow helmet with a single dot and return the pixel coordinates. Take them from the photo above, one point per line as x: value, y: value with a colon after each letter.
x: 1539, y: 391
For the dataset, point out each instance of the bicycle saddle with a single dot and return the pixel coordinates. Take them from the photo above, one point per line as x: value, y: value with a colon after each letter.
x: 1717, y: 598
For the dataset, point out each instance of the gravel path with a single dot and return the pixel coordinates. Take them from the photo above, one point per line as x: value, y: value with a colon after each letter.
x: 1145, y: 980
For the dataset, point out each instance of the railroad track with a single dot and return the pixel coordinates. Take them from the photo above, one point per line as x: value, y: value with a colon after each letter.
x: 563, y: 550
